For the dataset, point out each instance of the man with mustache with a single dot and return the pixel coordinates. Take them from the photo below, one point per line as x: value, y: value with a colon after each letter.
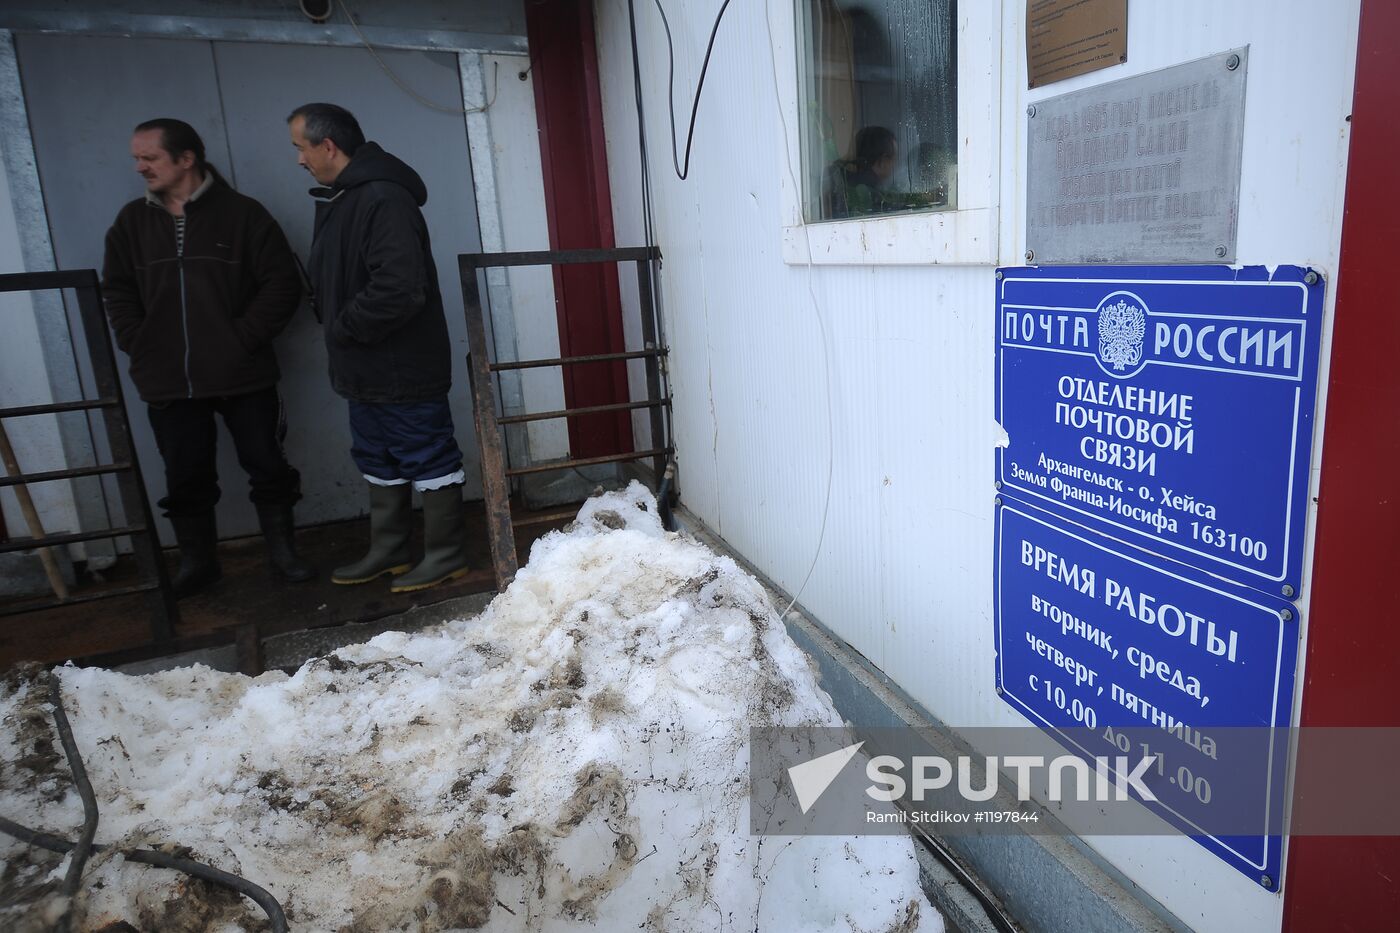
x: 198, y: 280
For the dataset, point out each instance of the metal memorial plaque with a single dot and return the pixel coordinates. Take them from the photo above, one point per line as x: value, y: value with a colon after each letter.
x: 1144, y: 169
x: 1168, y: 407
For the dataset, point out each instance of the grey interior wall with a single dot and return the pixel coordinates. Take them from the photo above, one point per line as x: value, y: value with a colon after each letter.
x: 55, y: 349
x: 261, y: 84
x: 80, y: 144
x: 84, y: 94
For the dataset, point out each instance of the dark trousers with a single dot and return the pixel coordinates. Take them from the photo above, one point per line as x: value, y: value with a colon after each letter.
x: 404, y: 441
x: 187, y: 437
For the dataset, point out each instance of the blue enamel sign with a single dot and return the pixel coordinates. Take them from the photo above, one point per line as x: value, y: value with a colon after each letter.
x: 1114, y: 653
x: 1168, y: 407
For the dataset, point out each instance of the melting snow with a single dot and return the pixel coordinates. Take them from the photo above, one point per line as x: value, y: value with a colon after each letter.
x: 573, y: 758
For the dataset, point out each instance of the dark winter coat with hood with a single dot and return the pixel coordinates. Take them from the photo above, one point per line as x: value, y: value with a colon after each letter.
x: 197, y: 318
x: 376, y: 285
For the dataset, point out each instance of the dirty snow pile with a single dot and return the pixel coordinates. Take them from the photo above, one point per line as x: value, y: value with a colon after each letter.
x: 575, y: 757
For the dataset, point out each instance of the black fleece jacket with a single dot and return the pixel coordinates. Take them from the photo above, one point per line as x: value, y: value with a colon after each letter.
x: 199, y: 323
x: 376, y: 284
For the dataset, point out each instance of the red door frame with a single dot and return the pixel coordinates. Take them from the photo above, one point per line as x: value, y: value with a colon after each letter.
x: 578, y: 204
x: 1353, y: 651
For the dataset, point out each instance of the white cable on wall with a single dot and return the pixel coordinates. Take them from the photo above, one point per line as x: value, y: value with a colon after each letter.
x: 816, y: 308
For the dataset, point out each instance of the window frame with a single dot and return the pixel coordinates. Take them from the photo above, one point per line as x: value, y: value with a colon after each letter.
x: 964, y: 236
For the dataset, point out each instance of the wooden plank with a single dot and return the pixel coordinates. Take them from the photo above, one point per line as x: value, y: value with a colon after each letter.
x: 494, y: 484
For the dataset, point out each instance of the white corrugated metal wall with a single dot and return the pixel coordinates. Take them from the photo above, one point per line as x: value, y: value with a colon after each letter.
x: 903, y: 380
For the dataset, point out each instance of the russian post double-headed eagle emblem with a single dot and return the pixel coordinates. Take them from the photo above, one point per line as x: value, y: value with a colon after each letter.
x: 1121, y: 329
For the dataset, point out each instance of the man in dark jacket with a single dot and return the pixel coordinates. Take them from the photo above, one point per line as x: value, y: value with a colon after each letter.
x: 197, y: 281
x: 386, y: 336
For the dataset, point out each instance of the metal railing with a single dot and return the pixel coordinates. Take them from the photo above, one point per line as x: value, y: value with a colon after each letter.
x: 154, y: 582
x: 495, y: 474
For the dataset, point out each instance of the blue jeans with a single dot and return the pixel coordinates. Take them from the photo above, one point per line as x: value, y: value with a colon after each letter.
x: 395, y: 443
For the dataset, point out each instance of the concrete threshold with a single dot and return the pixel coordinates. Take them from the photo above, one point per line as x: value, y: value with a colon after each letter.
x: 289, y: 651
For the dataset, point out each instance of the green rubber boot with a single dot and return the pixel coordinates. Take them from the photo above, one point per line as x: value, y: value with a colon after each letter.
x: 390, y: 522
x: 444, y: 541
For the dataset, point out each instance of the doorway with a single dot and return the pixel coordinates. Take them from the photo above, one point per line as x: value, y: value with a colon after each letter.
x: 83, y: 95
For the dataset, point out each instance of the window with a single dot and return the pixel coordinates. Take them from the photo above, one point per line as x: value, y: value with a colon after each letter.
x: 878, y: 109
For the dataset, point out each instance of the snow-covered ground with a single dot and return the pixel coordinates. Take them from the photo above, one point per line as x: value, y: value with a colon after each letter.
x: 576, y: 757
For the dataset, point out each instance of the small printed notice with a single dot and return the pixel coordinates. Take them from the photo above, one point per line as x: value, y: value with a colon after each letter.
x: 1065, y: 38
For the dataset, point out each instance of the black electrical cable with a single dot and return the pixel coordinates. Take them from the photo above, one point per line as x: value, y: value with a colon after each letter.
x: 994, y: 912
x: 663, y: 497
x: 248, y: 889
x: 85, y: 846
x: 648, y: 211
x: 74, y: 877
x: 260, y: 896
x: 682, y: 173
x: 35, y: 838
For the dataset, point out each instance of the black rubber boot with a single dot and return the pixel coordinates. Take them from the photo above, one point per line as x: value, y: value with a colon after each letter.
x: 444, y: 541
x: 390, y: 522
x: 278, y: 528
x: 198, y: 538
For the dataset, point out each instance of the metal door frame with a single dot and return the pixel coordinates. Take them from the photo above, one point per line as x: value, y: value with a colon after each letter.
x: 31, y: 213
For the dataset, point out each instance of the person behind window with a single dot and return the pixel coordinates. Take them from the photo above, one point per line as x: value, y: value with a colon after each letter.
x: 933, y: 171
x: 859, y: 186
